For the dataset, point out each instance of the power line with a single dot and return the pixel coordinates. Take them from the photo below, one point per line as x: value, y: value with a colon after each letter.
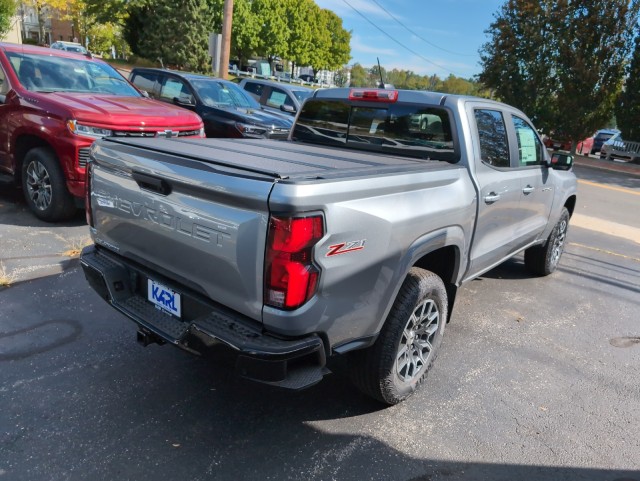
x: 398, y: 42
x: 417, y: 35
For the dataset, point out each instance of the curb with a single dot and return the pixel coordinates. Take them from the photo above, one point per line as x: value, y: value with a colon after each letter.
x: 610, y: 165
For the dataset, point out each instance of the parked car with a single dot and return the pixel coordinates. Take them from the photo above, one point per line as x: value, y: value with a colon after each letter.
x: 276, y: 96
x: 226, y: 109
x: 557, y: 140
x: 617, y: 148
x: 593, y: 144
x: 307, y: 77
x: 53, y: 105
x: 69, y: 47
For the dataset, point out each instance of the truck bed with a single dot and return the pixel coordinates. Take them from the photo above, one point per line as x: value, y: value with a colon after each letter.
x: 283, y: 160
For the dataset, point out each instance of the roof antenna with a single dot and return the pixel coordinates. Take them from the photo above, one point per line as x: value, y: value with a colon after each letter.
x: 381, y: 84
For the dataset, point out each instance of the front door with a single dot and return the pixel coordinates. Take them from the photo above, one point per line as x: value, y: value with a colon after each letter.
x: 499, y: 192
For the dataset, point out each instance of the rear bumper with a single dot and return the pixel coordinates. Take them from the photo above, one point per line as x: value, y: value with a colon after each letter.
x: 289, y: 363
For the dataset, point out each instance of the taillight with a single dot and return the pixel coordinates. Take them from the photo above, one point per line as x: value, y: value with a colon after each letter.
x: 87, y: 192
x: 291, y: 278
x: 374, y: 95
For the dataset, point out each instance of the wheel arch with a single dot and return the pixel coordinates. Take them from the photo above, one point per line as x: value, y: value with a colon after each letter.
x: 23, y: 144
x: 570, y: 204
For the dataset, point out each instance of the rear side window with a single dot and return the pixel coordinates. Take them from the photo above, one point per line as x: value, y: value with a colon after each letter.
x: 145, y: 81
x: 494, y: 148
x: 4, y: 87
x: 401, y: 129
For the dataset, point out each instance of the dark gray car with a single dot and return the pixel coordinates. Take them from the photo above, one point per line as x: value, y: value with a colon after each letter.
x: 226, y: 110
x: 277, y: 96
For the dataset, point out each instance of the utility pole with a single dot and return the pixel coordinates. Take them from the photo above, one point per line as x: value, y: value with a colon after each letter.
x: 227, y: 19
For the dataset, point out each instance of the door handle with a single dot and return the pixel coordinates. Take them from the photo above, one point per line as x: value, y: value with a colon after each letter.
x: 527, y: 190
x: 491, y: 198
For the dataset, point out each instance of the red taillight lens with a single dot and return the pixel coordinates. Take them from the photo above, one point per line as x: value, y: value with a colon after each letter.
x: 87, y: 193
x: 379, y: 95
x: 291, y: 278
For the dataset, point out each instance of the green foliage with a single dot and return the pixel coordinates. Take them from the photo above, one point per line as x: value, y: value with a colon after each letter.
x: 245, y: 30
x: 561, y: 62
x: 628, y: 105
x: 7, y: 11
x: 177, y: 33
x: 271, y: 29
x: 359, y: 76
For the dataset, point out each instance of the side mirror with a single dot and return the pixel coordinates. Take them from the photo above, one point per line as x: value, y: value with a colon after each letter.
x: 288, y: 108
x: 561, y: 161
x: 144, y: 93
x: 183, y: 102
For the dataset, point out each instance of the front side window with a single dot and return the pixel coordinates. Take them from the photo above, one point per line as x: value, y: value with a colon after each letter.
x: 492, y: 134
x: 175, y: 88
x: 529, y: 146
x: 145, y: 81
x: 215, y: 93
x: 277, y: 98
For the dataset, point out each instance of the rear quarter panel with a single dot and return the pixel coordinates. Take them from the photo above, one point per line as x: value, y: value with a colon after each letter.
x: 397, y: 218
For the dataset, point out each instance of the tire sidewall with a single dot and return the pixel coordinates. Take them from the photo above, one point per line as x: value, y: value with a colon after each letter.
x: 428, y: 287
x: 60, y: 197
x: 549, y: 266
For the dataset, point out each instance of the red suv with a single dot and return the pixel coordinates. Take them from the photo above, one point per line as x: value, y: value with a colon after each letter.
x: 53, y: 105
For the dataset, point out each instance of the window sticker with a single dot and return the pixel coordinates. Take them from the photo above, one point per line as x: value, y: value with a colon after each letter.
x: 528, y: 146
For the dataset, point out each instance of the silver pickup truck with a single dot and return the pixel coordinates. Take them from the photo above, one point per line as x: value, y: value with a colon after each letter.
x: 349, y: 239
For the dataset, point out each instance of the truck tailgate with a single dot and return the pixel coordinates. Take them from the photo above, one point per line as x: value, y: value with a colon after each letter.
x: 199, y: 225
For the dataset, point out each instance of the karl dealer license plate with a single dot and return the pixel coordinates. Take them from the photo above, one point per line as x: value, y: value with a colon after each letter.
x: 164, y: 298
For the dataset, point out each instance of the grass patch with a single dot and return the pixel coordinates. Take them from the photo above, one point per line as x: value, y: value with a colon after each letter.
x: 6, y: 277
x: 75, y: 246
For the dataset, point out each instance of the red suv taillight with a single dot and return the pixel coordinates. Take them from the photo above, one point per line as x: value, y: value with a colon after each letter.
x: 291, y: 278
x: 87, y: 193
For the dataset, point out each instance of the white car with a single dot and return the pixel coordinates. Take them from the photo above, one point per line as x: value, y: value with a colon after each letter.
x: 69, y: 47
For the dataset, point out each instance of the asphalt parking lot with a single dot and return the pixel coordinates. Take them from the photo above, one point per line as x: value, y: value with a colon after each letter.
x: 537, y: 380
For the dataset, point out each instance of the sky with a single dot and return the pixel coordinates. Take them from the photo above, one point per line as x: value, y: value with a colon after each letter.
x: 428, y: 37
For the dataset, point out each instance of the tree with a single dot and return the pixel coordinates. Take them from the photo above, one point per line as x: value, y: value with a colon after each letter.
x: 245, y: 31
x: 272, y: 33
x: 560, y: 61
x: 7, y: 11
x: 339, y: 48
x: 299, y: 14
x: 359, y: 76
x: 176, y: 33
x: 628, y: 104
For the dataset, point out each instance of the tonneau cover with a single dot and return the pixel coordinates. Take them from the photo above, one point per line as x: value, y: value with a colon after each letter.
x: 283, y: 159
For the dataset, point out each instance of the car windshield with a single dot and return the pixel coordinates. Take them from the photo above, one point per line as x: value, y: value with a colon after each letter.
x: 215, y: 93
x: 301, y: 94
x: 604, y: 136
x: 50, y: 73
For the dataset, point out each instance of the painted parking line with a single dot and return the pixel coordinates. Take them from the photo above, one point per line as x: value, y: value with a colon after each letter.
x: 606, y: 227
x: 605, y: 251
x: 610, y: 187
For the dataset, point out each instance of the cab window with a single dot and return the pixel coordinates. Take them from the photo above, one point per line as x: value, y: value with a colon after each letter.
x: 529, y: 146
x: 175, y: 88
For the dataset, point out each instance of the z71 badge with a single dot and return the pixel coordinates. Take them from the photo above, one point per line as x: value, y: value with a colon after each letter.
x: 345, y: 247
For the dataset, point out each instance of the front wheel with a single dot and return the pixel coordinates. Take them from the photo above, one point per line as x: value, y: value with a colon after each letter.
x: 398, y: 362
x: 44, y: 186
x: 543, y: 260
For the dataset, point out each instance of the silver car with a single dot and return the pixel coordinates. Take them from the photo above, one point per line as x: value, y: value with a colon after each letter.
x: 617, y: 148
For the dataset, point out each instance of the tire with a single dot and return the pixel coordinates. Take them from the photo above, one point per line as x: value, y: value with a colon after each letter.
x: 543, y: 260
x: 44, y: 186
x: 393, y: 368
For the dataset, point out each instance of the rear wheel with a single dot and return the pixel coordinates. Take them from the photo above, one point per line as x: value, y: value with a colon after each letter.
x: 44, y: 186
x: 543, y: 260
x: 398, y: 362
